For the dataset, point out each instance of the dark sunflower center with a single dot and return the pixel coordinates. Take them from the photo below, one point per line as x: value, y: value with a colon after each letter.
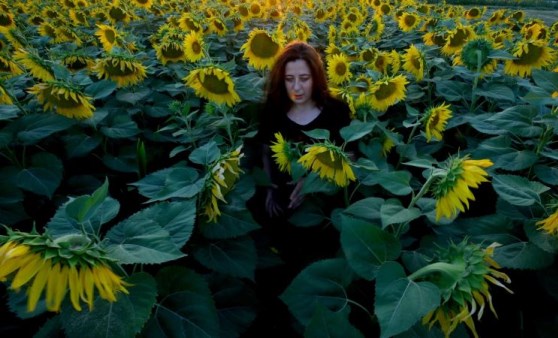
x: 110, y: 35
x: 118, y: 68
x: 49, y: 31
x: 459, y: 38
x: 385, y: 9
x: 51, y: 14
x: 37, y: 20
x: 192, y: 25
x: 142, y: 2
x: 534, y: 55
x: 410, y: 20
x: 255, y: 8
x: 326, y: 159
x: 385, y: 90
x: 117, y: 13
x: 5, y: 20
x: 243, y: 11
x: 76, y: 64
x: 320, y: 14
x: 69, y: 4
x: 474, y: 12
x: 368, y: 55
x: 415, y: 61
x: 4, y: 66
x: 352, y: 17
x: 214, y: 85
x: 422, y: 9
x: 340, y: 68
x: 196, y: 47
x: 517, y: 15
x: 263, y: 46
x: 219, y: 25
x: 172, y: 51
x: 54, y: 96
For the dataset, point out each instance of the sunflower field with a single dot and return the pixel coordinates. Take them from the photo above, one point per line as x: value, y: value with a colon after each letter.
x: 129, y: 159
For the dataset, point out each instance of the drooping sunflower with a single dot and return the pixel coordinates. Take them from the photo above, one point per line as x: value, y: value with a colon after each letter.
x: 67, y: 34
x: 217, y: 25
x: 408, y: 21
x: 123, y: 69
x: 394, y: 64
x: 549, y: 224
x: 222, y: 175
x: 108, y: 36
x: 78, y: 61
x: 4, y: 97
x: 530, y: 55
x: 7, y: 66
x: 40, y: 264
x: 497, y: 17
x: 189, y: 22
x: 79, y: 17
x: 338, y: 69
x: 381, y: 62
x: 262, y: 48
x: 330, y: 162
x: 435, y: 38
x: 475, y: 56
x: 64, y: 98
x: 118, y: 12
x: 388, y: 91
x: 414, y: 62
x: 194, y: 46
x: 170, y: 51
x: 361, y: 88
x: 213, y: 84
x: 375, y: 28
x: 46, y: 29
x: 464, y: 273
x: 39, y: 68
x: 452, y: 190
x: 7, y: 22
x: 143, y: 3
x: 457, y: 38
x: 283, y: 153
x: 435, y: 120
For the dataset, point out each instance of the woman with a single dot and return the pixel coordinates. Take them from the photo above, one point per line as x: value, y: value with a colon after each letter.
x: 298, y: 100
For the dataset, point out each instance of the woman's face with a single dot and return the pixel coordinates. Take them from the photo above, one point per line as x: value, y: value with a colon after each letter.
x: 298, y: 81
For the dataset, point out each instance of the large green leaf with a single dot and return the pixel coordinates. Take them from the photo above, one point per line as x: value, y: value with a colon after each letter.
x: 205, y: 154
x: 307, y: 215
x: 78, y: 145
x: 541, y: 238
x: 146, y: 237
x: 523, y: 255
x: 497, y: 92
x: 186, y: 309
x: 133, y: 96
x: 235, y: 302
x: 546, y: 79
x: 84, y: 213
x: 367, y: 246
x: 323, y: 283
x: 517, y: 120
x: 233, y: 222
x: 100, y: 89
x: 123, y: 318
x: 43, y: 176
x: 499, y: 150
x: 547, y: 174
x: 356, y: 130
x: 120, y: 126
x: 236, y: 257
x: 392, y: 212
x: 32, y: 128
x: 401, y: 302
x: 518, y: 190
x: 176, y: 182
x: 366, y: 208
x: 396, y: 182
x: 332, y: 324
x: 453, y: 90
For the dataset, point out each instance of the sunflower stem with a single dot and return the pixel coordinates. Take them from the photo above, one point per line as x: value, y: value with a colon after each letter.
x: 422, y: 190
x: 475, y: 82
x: 442, y: 267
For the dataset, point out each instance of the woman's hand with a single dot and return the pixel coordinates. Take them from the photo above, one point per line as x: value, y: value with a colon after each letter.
x: 296, y: 197
x: 272, y: 204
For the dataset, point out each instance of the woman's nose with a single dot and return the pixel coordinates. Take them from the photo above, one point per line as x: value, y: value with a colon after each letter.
x: 296, y: 84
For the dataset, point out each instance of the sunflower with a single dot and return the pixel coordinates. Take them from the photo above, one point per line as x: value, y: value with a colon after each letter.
x: 261, y: 49
x: 361, y: 88
x: 9, y: 67
x: 329, y: 162
x: 194, y: 46
x: 255, y: 9
x: 4, y: 96
x: 217, y: 26
x: 38, y: 67
x: 108, y: 36
x: 385, y: 8
x: 381, y: 62
x: 78, y: 61
x: 457, y: 38
x: 58, y: 268
x: 475, y: 55
x: 435, y: 120
x: 375, y: 28
x: 464, y: 273
x: 408, y: 21
x: 79, y: 17
x: 413, y: 62
x: 47, y: 29
x: 67, y: 34
x: 65, y: 99
x: 243, y: 11
x: 387, y: 92
x: 394, y: 62
x: 496, y: 17
x: 473, y: 13
x: 125, y: 70
x: 529, y: 55
x: 534, y: 31
x: 117, y: 12
x: 283, y: 153
x: 338, y: 68
x: 222, y: 175
x: 549, y: 224
x: 213, y: 84
x: 189, y: 23
x: 143, y: 3
x: 367, y: 55
x: 435, y: 38
x: 170, y: 51
x: 7, y: 22
x: 452, y: 189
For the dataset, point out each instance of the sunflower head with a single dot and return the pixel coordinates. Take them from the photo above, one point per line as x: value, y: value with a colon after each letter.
x: 330, y: 162
x: 408, y: 21
x: 4, y: 97
x: 283, y: 153
x: 7, y: 66
x: 37, y: 66
x: 7, y: 21
x: 475, y: 55
x: 262, y: 48
x: 338, y: 68
x: 108, y: 36
x: 123, y: 69
x: 388, y: 91
x: 413, y: 62
x: 71, y: 264
x: 464, y: 273
x: 213, y: 84
x: 194, y: 46
x: 170, y: 51
x: 64, y: 98
x: 435, y: 120
x: 529, y: 55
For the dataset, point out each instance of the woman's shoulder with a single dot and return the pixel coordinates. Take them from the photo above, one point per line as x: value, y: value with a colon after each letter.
x: 333, y: 104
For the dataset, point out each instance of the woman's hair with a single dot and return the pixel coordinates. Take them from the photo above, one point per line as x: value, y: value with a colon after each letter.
x: 277, y: 96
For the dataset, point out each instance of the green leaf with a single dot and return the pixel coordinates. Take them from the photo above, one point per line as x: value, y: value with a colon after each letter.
x: 523, y: 255
x: 43, y: 176
x: 84, y: 213
x: 546, y: 174
x: 100, y: 89
x: 236, y: 257
x: 366, y: 209
x: 453, y: 90
x: 392, y: 212
x: 518, y: 190
x: 186, y: 309
x: 121, y: 126
x: 205, y: 154
x: 318, y: 134
x: 396, y: 182
x: 143, y: 239
x: 235, y: 302
x: 497, y: 92
x: 516, y: 160
x: 323, y: 283
x: 233, y: 222
x: 307, y: 215
x: 33, y: 128
x: 178, y: 218
x: 175, y: 182
x: 79, y: 145
x: 367, y: 247
x: 541, y: 238
x: 400, y: 302
x: 327, y: 323
x: 517, y: 120
x: 123, y: 318
x: 313, y: 183
x: 356, y: 130
x: 52, y: 328
x: 546, y: 79
x: 133, y: 97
